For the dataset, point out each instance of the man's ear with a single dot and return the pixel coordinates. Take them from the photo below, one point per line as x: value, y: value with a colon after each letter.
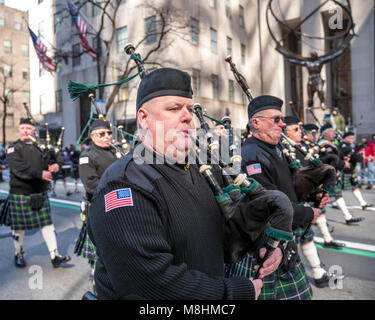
x: 142, y: 118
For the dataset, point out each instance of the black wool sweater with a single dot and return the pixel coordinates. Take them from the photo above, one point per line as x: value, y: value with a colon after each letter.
x: 168, y: 244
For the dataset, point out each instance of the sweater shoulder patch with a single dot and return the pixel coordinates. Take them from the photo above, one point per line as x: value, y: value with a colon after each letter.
x: 118, y: 198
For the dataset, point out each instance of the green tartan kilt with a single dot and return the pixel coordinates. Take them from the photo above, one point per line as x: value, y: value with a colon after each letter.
x: 301, y: 237
x: 347, y: 183
x: 88, y: 249
x: 22, y: 217
x: 279, y: 285
x: 337, y: 191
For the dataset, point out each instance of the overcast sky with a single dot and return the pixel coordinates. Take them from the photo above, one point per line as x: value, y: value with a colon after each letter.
x: 19, y: 4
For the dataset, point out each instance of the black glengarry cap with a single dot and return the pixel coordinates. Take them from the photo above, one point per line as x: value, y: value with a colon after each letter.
x: 164, y: 82
x: 263, y: 103
x: 100, y: 124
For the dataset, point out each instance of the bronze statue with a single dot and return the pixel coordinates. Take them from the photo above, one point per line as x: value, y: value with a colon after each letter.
x: 314, y: 65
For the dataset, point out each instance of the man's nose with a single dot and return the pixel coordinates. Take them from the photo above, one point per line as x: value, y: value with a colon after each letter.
x: 186, y: 115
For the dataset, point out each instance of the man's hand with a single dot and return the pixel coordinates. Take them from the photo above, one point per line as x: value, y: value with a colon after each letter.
x: 46, y: 175
x: 272, y: 262
x: 258, y: 284
x: 317, y: 213
x: 53, y: 167
x: 323, y: 201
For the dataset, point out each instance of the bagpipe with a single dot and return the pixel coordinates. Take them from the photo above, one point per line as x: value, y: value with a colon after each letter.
x: 254, y: 217
x: 306, y: 180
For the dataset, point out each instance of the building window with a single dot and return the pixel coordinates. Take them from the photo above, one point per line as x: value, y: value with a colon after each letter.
x: 242, y: 17
x: 42, y: 71
x: 123, y: 94
x: 231, y: 90
x: 18, y: 26
x: 26, y: 97
x: 7, y: 46
x: 25, y: 73
x: 2, y: 22
x: 213, y: 34
x: 121, y: 38
x: 8, y: 72
x: 42, y: 103
x: 57, y: 20
x: 58, y: 97
x: 243, y: 53
x: 96, y: 9
x: 9, y: 95
x: 229, y: 46
x: 9, y: 120
x: 196, y: 80
x: 212, y: 3
x: 25, y: 50
x: 122, y: 2
x: 194, y: 31
x: 40, y: 1
x: 151, y: 30
x: 228, y: 11
x: 215, y: 86
x: 76, y: 49
x: 41, y: 28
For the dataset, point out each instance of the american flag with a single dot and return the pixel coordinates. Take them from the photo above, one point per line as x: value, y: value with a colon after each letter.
x: 41, y: 51
x: 118, y: 198
x: 253, y: 169
x: 82, y: 30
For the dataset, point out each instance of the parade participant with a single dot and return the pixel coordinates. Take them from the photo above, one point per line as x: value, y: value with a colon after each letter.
x: 349, y: 153
x: 264, y: 161
x: 149, y: 219
x: 93, y: 161
x: 338, y: 120
x: 304, y: 236
x: 74, y: 162
x: 327, y: 144
x: 29, y: 206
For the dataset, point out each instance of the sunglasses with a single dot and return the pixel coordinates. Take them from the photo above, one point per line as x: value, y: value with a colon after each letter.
x: 103, y: 133
x: 276, y: 119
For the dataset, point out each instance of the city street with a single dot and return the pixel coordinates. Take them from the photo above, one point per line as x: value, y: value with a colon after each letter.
x: 356, y: 261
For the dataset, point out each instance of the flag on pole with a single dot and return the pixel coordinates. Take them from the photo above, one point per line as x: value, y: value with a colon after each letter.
x: 41, y: 51
x: 82, y: 30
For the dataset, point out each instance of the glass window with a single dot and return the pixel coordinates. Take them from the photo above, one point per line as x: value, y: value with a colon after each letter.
x: 58, y: 97
x: 76, y: 49
x: 228, y: 10
x: 42, y: 103
x: 151, y: 29
x: 2, y: 22
x: 213, y: 40
x: 8, y: 72
x: 231, y: 90
x: 26, y: 97
x: 123, y: 94
x: 194, y: 31
x: 25, y: 50
x: 9, y: 120
x: 243, y: 53
x: 196, y: 80
x: 25, y: 73
x: 121, y: 38
x: 229, y: 46
x: 212, y: 3
x: 7, y: 46
x: 242, y: 17
x: 215, y: 86
x: 57, y: 20
x: 18, y: 26
x: 96, y: 9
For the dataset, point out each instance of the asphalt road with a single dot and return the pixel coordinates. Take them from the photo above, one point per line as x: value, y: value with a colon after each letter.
x: 40, y: 281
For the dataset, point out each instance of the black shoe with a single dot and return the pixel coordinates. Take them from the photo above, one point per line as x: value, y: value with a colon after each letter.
x: 330, y: 228
x: 323, y: 281
x: 19, y: 260
x: 368, y: 187
x: 68, y: 194
x: 333, y: 245
x: 367, y: 205
x: 59, y: 260
x: 354, y: 220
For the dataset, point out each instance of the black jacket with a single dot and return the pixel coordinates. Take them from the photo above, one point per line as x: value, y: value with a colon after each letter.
x: 274, y: 175
x: 166, y: 244
x: 26, y: 163
x: 92, y: 163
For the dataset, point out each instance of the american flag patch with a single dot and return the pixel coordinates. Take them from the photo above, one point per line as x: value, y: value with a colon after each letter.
x: 253, y: 169
x: 118, y: 198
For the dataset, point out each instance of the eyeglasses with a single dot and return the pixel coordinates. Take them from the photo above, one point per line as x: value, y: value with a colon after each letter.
x: 297, y: 129
x: 102, y: 134
x: 276, y: 119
